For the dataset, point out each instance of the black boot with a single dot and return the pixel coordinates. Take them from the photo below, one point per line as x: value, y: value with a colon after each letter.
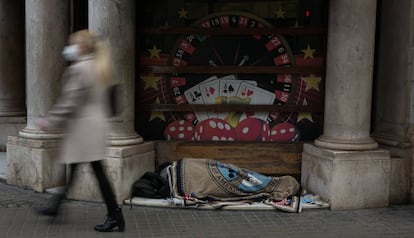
x: 52, y: 207
x: 111, y: 222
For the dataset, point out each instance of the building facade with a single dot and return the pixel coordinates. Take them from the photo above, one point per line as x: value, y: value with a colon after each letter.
x: 360, y: 159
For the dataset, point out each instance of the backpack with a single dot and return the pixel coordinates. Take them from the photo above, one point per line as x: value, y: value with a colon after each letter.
x: 151, y: 185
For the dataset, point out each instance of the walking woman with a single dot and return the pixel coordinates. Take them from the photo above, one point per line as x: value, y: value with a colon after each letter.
x: 82, y: 111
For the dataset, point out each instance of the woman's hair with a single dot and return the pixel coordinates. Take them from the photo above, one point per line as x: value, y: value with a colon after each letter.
x: 91, y: 44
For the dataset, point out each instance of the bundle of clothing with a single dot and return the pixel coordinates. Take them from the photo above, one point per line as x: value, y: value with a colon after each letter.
x: 195, y: 182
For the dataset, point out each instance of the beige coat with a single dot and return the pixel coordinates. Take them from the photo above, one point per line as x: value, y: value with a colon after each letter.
x: 81, y: 110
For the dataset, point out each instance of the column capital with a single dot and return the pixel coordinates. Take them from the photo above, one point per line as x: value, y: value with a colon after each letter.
x: 337, y: 144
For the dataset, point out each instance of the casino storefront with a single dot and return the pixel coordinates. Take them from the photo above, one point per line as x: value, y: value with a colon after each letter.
x: 299, y: 87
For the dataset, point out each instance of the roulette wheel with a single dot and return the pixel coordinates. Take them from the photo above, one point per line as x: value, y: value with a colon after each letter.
x: 204, y: 88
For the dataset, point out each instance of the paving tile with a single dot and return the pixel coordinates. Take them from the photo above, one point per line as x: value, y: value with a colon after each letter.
x: 77, y: 219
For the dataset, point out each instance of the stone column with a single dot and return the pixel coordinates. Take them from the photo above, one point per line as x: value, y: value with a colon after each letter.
x: 344, y: 165
x: 394, y: 73
x: 127, y: 157
x: 115, y: 21
x: 350, y: 57
x: 12, y: 70
x: 31, y: 156
x: 47, y: 28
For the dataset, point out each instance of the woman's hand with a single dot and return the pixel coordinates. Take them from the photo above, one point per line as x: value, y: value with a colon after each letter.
x: 42, y: 123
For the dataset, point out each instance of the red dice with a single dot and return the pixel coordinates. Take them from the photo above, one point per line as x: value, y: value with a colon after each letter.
x: 284, y: 132
x: 179, y: 130
x: 253, y: 129
x: 214, y: 129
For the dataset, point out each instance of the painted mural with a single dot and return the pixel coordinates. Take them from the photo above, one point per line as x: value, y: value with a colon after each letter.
x: 260, y: 89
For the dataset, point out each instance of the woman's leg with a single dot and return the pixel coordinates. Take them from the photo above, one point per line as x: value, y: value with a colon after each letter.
x: 105, y: 186
x: 115, y: 217
x: 59, y: 197
x: 53, y: 205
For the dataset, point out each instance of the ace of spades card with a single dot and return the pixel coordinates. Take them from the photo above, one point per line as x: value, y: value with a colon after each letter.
x: 229, y: 87
x: 256, y: 95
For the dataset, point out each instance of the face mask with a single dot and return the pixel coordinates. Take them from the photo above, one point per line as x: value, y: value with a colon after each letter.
x: 71, y: 52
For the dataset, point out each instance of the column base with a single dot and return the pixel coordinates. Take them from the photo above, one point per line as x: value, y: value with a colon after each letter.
x: 125, y: 140
x: 33, y: 164
x: 36, y: 134
x: 401, y: 180
x: 10, y: 126
x: 123, y: 166
x: 335, y: 144
x: 400, y: 177
x: 347, y: 179
x: 391, y: 141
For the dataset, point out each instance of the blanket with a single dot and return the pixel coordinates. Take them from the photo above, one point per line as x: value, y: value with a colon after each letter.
x: 207, y: 180
x: 307, y: 201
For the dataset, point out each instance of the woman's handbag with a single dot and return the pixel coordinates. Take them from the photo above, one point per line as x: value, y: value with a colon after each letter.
x: 113, y: 98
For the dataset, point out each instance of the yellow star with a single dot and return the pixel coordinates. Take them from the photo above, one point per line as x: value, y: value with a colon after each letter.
x: 280, y: 13
x: 182, y: 13
x: 304, y: 115
x: 312, y: 82
x: 154, y: 52
x: 151, y: 81
x: 157, y: 114
x: 308, y: 52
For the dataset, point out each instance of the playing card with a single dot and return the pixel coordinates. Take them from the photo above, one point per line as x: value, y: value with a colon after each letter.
x: 256, y: 95
x: 193, y: 96
x: 209, y: 92
x: 229, y: 87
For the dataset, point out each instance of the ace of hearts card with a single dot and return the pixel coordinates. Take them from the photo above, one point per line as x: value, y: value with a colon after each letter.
x: 209, y: 92
x: 256, y: 96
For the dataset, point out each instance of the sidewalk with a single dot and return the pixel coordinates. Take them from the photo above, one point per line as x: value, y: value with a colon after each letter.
x: 77, y: 220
